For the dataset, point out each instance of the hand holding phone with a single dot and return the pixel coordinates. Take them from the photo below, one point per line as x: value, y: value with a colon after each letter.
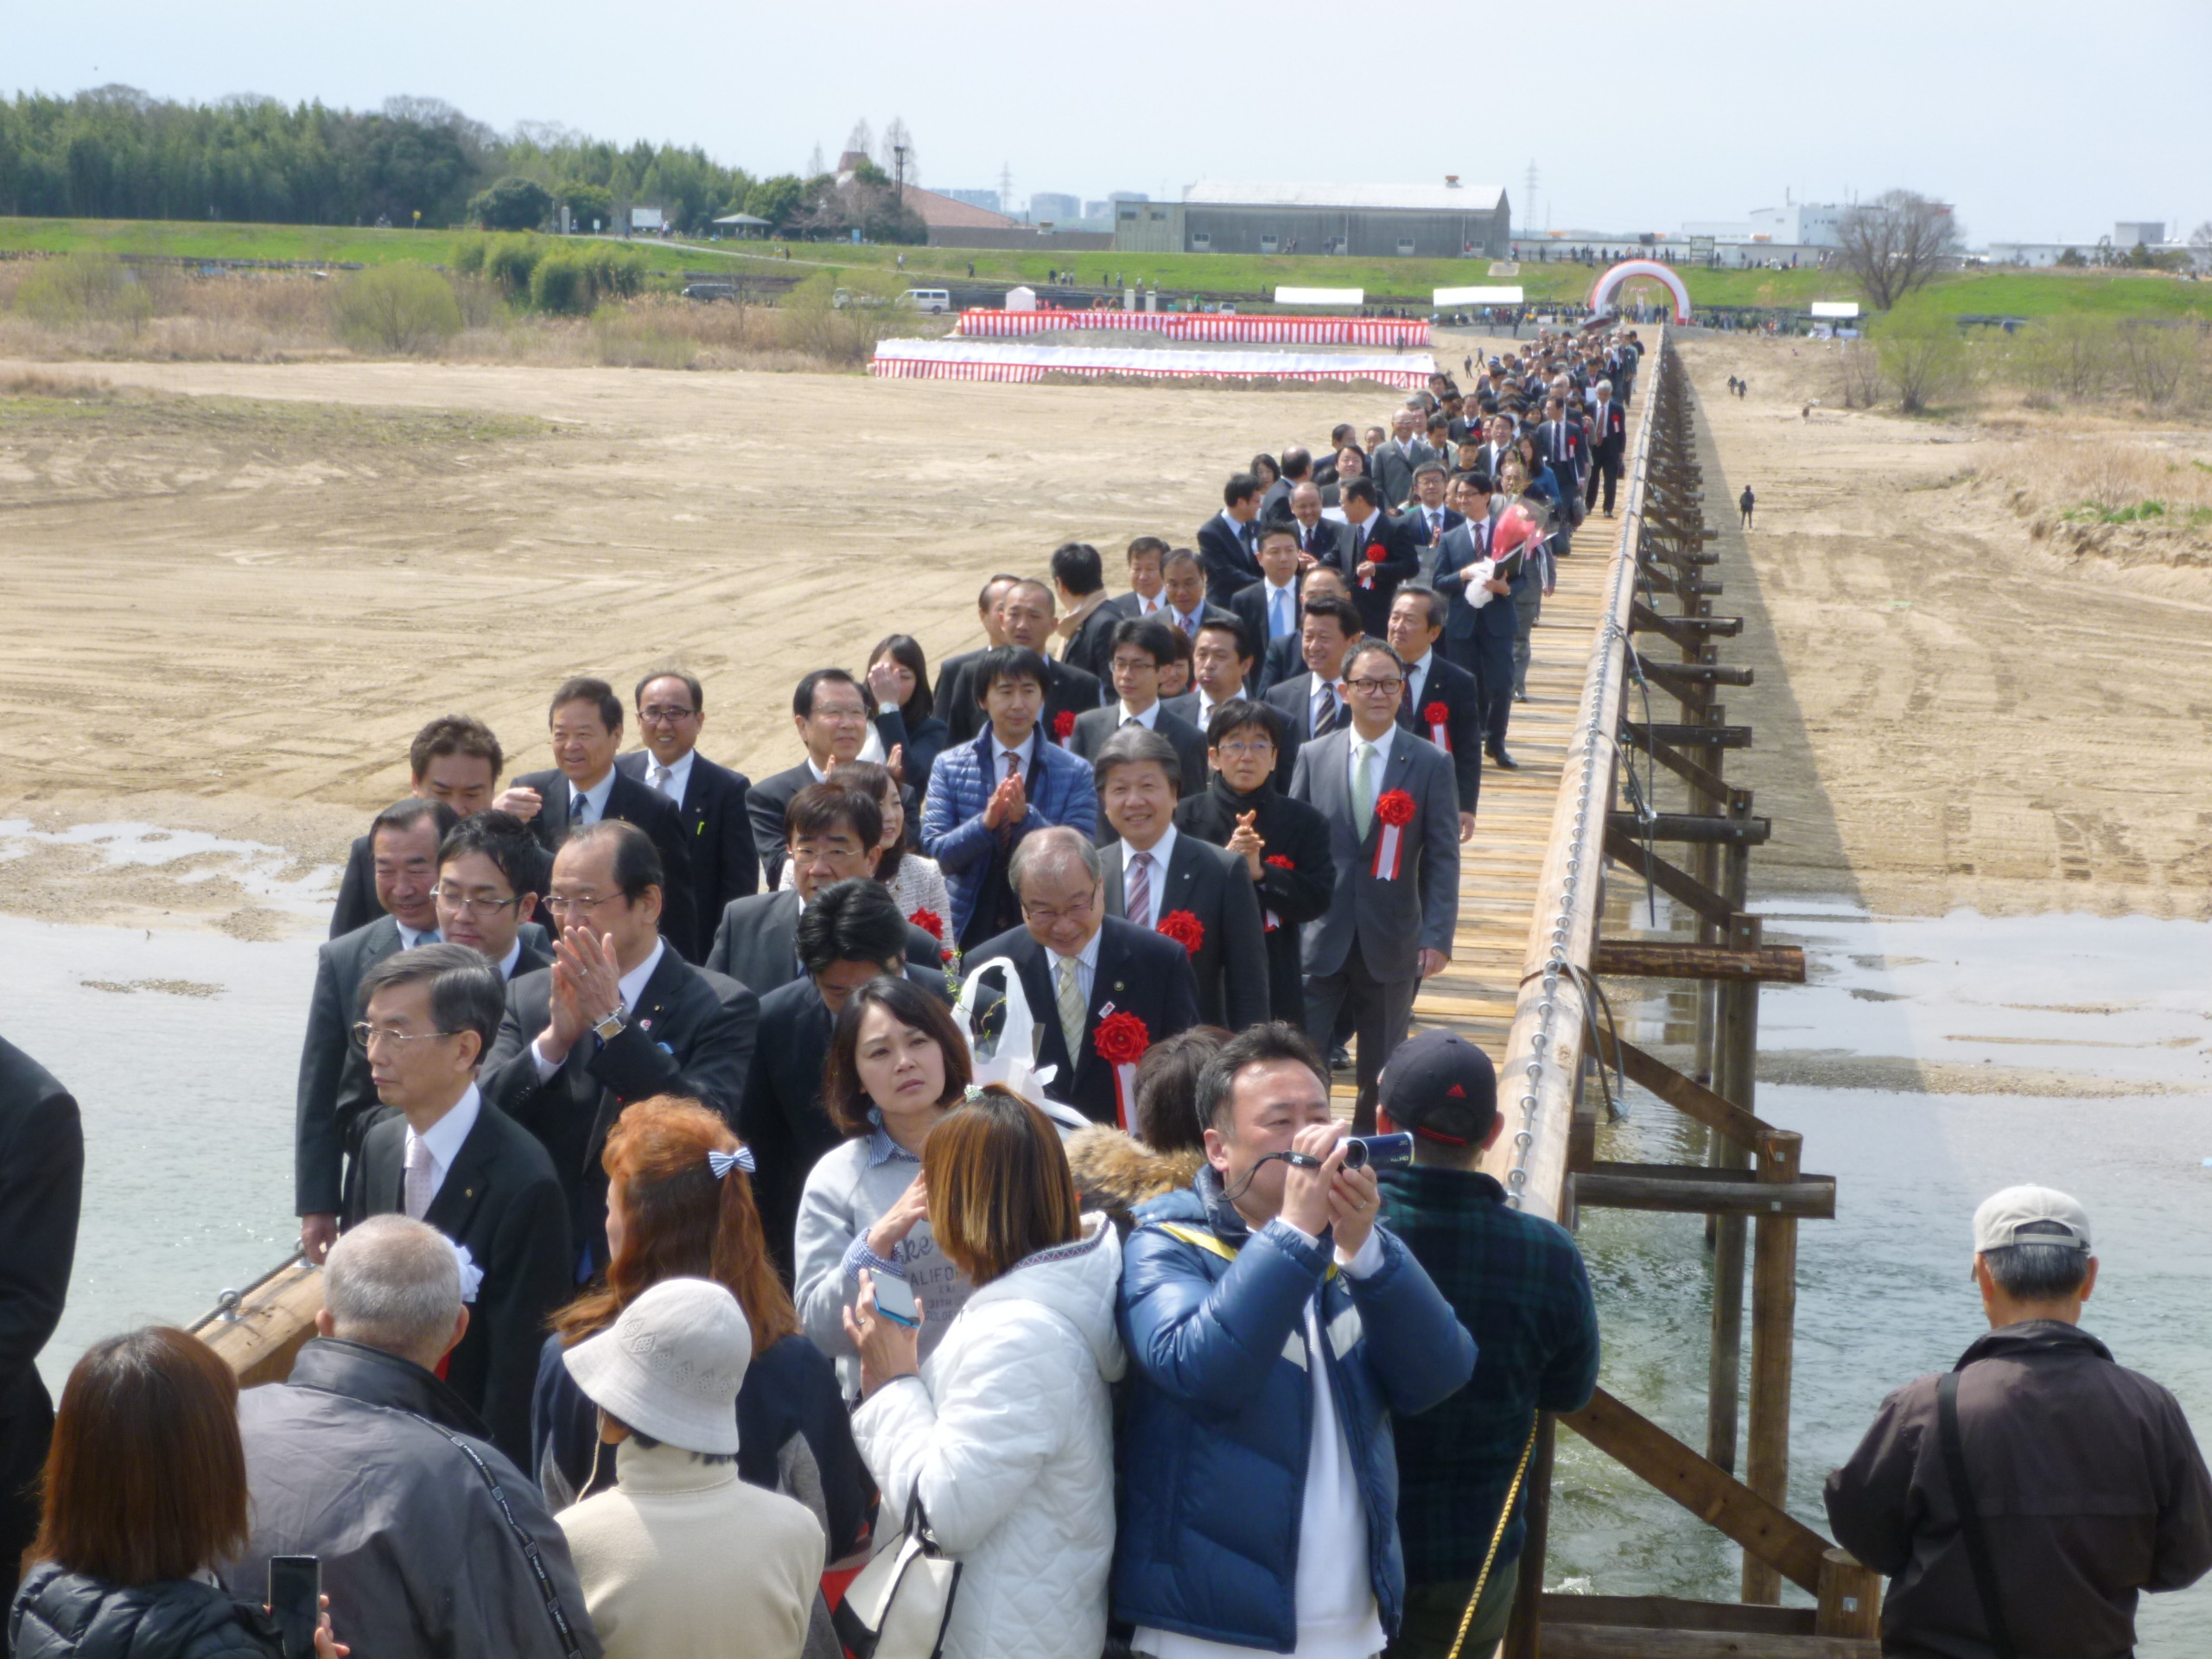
x: 296, y: 1602
x: 894, y: 1299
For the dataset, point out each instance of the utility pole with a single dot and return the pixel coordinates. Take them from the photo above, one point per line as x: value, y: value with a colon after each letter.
x: 899, y: 171
x: 1531, y: 220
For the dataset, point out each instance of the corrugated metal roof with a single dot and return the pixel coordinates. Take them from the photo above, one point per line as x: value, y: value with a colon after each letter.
x: 1419, y: 198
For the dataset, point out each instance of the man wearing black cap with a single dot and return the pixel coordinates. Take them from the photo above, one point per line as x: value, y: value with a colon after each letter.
x: 1516, y: 1283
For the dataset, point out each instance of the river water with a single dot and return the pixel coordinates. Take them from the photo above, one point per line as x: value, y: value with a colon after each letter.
x: 182, y: 1048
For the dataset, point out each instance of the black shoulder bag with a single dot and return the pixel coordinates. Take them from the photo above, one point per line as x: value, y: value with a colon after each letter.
x: 1970, y: 1527
x: 569, y: 1646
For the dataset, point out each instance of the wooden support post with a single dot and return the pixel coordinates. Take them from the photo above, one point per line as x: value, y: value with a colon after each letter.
x: 1736, y: 1058
x: 1774, y: 1321
x: 1850, y: 1597
x: 1524, y: 1635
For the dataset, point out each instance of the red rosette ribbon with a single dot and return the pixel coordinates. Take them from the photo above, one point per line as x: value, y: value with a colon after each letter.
x: 1063, y: 725
x: 1438, y: 719
x: 1279, y: 861
x: 1274, y: 861
x: 1392, y: 814
x: 1120, y: 1041
x: 1185, y: 929
x: 929, y: 922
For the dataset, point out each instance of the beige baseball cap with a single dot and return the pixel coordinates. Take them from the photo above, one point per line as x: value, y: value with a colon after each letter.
x: 2030, y: 1215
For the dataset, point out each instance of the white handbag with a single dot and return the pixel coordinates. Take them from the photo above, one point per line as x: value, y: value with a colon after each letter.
x: 899, y: 1603
x: 1006, y: 1052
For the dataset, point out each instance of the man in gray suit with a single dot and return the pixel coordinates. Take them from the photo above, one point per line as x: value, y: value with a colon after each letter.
x: 1394, y: 464
x: 1392, y: 813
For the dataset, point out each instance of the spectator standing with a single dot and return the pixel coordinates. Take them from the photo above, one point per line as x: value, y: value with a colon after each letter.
x: 1745, y: 503
x: 1516, y: 1283
x: 42, y: 1188
x: 1004, y: 1437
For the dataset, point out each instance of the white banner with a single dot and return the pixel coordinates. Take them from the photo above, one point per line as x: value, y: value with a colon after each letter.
x: 1186, y: 325
x: 1320, y: 295
x: 1475, y: 296
x: 966, y: 359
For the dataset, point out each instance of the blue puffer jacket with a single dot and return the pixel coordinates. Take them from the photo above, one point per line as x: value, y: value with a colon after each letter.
x: 1220, y: 1414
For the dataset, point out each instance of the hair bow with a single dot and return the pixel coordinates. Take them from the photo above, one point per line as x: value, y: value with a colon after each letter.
x: 720, y: 1164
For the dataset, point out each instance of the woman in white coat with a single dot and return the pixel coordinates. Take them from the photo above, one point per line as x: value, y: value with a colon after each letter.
x: 1006, y: 1432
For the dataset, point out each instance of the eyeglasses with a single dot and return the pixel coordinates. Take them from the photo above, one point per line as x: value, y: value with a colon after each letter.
x: 468, y: 905
x: 565, y: 906
x: 1045, y: 918
x: 841, y: 712
x: 366, y: 1035
x: 1240, y: 748
x: 662, y: 716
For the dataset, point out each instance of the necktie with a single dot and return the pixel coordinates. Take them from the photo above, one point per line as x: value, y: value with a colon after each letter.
x: 661, y: 777
x: 575, y: 808
x: 1137, y: 901
x: 1072, y: 1008
x: 1363, y: 788
x: 1332, y: 712
x: 1278, y: 617
x: 420, y: 1169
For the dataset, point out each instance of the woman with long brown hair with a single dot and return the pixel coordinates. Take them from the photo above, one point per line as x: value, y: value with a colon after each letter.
x: 679, y: 1204
x: 145, y: 1495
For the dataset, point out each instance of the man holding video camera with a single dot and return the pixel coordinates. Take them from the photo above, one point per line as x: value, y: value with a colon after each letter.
x: 1272, y: 1328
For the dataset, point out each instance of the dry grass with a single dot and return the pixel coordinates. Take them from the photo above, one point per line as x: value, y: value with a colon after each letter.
x: 2134, y: 500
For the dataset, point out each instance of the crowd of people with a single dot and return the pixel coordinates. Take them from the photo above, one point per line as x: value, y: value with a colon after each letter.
x: 724, y: 1189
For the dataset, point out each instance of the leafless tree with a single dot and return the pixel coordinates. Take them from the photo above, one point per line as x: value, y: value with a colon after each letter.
x: 861, y: 140
x: 1897, y: 244
x: 2200, y: 243
x: 896, y: 137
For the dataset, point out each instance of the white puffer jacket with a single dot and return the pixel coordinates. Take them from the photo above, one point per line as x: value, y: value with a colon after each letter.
x: 1009, y: 1436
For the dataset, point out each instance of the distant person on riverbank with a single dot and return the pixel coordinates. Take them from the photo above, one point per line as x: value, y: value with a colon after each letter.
x: 2080, y: 1481
x: 424, y: 1557
x: 1516, y: 1283
x: 1745, y: 503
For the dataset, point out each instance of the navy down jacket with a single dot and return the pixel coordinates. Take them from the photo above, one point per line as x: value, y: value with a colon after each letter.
x: 1220, y: 1412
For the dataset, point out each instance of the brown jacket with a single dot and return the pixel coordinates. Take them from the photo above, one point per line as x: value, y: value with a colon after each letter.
x: 2090, y: 1483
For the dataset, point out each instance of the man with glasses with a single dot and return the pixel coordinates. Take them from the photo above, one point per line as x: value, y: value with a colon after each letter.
x: 1079, y: 966
x: 1392, y: 811
x: 490, y: 871
x: 335, y: 1100
x: 445, y: 1156
x: 709, y: 799
x: 619, y: 1016
x: 1140, y: 649
x: 585, y: 789
x: 830, y: 710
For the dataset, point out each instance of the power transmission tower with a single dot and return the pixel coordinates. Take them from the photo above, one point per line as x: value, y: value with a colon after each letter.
x: 1531, y: 220
x: 1005, y: 189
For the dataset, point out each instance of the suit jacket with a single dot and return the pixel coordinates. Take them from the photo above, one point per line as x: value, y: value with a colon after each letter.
x: 1093, y: 728
x: 1392, y: 919
x: 1462, y: 550
x: 1231, y: 963
x: 1392, y: 468
x: 1608, y: 431
x: 334, y: 1102
x: 1138, y: 972
x: 921, y: 741
x: 358, y: 904
x: 500, y: 1201
x: 1229, y: 561
x: 718, y: 832
x: 1386, y: 541
x: 41, y: 1183
x: 1295, y: 875
x: 1249, y: 605
x: 652, y: 812
x: 691, y: 1034
x: 1283, y: 660
x: 1071, y: 692
x: 1453, y: 686
x: 949, y: 671
x: 756, y: 942
x: 1090, y: 647
x: 1567, y: 455
x: 1324, y: 541
x: 765, y: 804
x: 1415, y: 519
x: 1058, y: 791
x: 1293, y: 699
x: 1208, y: 612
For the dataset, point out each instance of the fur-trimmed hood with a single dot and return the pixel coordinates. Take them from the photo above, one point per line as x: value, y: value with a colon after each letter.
x: 1115, y: 1171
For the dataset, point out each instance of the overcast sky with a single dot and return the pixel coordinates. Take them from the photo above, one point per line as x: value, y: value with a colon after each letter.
x: 2041, y: 121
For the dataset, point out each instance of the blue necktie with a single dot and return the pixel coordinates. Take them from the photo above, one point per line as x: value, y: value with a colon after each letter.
x: 1278, y: 624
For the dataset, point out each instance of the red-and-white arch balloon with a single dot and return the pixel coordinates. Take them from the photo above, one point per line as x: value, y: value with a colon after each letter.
x: 1612, y: 279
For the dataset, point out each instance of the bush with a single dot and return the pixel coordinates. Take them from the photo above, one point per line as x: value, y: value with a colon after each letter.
x: 1922, y: 355
x: 469, y: 256
x: 510, y: 261
x: 561, y: 284
x: 811, y: 319
x: 1862, y: 375
x: 511, y: 204
x: 396, y: 308
x: 630, y: 339
x: 2070, y: 354
x: 2161, y: 360
x: 84, y: 287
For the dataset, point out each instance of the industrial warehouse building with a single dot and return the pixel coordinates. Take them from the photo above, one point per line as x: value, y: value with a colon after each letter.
x: 1414, y: 221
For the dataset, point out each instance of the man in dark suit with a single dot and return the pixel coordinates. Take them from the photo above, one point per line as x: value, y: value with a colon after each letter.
x: 1197, y: 894
x: 1079, y: 967
x: 42, y: 1187
x: 1025, y: 618
x: 335, y: 1099
x: 1394, y: 463
x: 1185, y: 584
x: 1221, y: 667
x: 1141, y: 649
x: 449, y: 1158
x: 1318, y: 538
x: 1283, y: 844
x: 1608, y: 445
x: 708, y: 798
x: 852, y: 933
x: 455, y: 760
x: 1147, y: 591
x: 1396, y: 900
x: 832, y: 833
x: 1297, y: 469
x: 1086, y: 631
x: 1563, y: 446
x: 1480, y: 622
x: 1430, y: 516
x: 831, y: 712
x: 1379, y: 555
x: 586, y: 718
x: 617, y: 1017
x: 1310, y: 702
x: 1228, y: 541
x: 952, y: 668
x: 1441, y: 703
x: 1269, y: 608
x: 1282, y: 659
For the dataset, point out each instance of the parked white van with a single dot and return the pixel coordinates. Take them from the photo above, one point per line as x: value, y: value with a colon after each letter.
x: 932, y: 301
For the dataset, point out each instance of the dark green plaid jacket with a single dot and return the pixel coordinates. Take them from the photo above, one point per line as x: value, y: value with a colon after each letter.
x: 1516, y: 1283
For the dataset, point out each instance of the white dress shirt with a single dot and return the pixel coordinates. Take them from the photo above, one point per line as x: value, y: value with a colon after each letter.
x: 1149, y: 719
x: 1156, y: 874
x: 631, y: 986
x: 1377, y: 766
x: 1086, y: 970
x: 507, y: 963
x: 1028, y: 752
x: 594, y: 799
x: 1416, y: 676
x: 1285, y: 594
x: 443, y: 1139
x: 409, y: 938
x: 679, y: 776
x: 1324, y: 701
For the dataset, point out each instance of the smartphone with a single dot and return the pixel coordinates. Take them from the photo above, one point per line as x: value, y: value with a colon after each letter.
x: 894, y: 1299
x: 296, y: 1602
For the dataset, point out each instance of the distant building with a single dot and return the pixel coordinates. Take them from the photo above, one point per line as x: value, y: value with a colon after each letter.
x: 1435, y: 222
x: 1051, y: 207
x: 987, y: 200
x: 2138, y: 233
x: 950, y: 209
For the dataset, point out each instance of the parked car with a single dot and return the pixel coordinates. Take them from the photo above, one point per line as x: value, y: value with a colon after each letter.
x: 710, y: 291
x: 930, y: 302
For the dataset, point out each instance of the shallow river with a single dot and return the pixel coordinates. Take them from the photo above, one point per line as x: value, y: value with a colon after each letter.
x: 182, y: 1049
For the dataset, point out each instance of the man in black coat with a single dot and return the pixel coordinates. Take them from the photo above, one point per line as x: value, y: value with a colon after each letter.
x: 1228, y: 544
x: 710, y: 799
x: 452, y: 1158
x: 1428, y: 517
x: 587, y: 725
x: 455, y: 760
x: 852, y: 933
x: 1087, y: 630
x: 1311, y: 703
x: 1141, y: 650
x: 1318, y: 538
x: 617, y: 1017
x: 831, y: 712
x: 1025, y: 618
x: 41, y: 1184
x: 334, y: 1100
x: 1441, y: 701
x: 1378, y: 556
x: 1269, y: 608
x: 1283, y: 844
x: 1184, y: 582
x: 1082, y: 971
x: 1480, y: 622
x: 1157, y: 877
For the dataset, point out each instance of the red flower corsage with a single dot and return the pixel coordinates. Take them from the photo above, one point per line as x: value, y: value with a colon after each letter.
x: 1121, y: 1039
x: 1185, y: 928
x: 1397, y: 807
x: 929, y: 922
x: 1279, y: 861
x: 1064, y: 724
x: 1435, y: 715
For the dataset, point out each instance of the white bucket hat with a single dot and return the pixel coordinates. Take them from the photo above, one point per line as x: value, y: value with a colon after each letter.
x: 669, y: 1367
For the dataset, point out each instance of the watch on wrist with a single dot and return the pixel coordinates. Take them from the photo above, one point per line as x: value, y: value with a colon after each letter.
x: 610, y: 1027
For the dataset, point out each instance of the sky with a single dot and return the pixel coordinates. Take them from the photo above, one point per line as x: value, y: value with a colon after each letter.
x: 2041, y: 122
